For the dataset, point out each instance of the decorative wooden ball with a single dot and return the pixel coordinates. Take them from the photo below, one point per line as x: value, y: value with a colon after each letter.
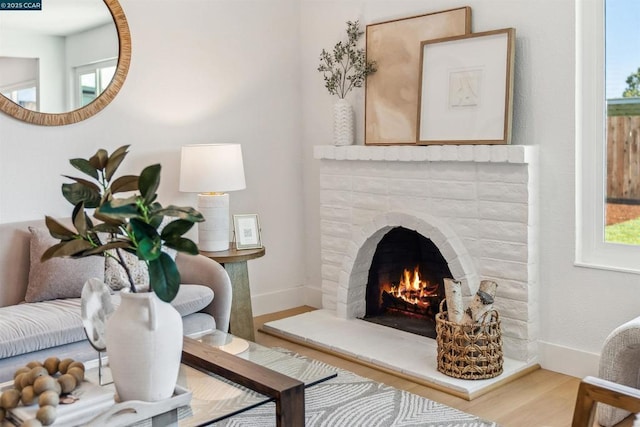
x: 10, y: 398
x: 37, y: 382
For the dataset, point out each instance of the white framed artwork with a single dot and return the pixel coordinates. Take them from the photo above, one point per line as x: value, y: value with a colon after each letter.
x: 466, y: 89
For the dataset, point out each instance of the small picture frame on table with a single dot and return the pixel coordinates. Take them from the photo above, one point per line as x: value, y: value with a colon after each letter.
x: 246, y: 229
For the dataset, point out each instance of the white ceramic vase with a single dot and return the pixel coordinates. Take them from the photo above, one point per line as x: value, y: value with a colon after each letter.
x: 343, y: 126
x: 144, y: 345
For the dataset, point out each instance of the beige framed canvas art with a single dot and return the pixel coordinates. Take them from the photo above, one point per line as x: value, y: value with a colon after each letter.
x: 391, y: 93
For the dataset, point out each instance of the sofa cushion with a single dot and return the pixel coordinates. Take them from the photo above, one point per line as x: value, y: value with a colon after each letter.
x: 190, y: 299
x: 34, y: 326
x: 57, y: 277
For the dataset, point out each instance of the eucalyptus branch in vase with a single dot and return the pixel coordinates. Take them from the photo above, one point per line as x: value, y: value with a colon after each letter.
x: 344, y: 69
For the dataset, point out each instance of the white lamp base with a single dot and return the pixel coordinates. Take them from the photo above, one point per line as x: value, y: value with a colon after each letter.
x: 213, y: 233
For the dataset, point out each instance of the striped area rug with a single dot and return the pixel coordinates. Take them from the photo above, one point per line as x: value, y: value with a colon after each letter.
x: 349, y: 400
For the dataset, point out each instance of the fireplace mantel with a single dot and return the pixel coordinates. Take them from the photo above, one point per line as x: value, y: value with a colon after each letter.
x: 514, y: 154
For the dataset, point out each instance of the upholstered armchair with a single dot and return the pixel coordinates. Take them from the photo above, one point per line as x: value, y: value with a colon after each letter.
x: 593, y: 390
x: 620, y: 364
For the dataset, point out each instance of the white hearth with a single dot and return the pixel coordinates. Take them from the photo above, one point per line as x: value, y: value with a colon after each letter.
x: 477, y: 203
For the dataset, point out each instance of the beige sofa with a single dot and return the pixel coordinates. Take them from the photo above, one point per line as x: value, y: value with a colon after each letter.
x: 37, y: 330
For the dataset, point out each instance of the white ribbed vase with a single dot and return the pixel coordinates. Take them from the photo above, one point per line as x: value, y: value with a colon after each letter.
x: 144, y: 345
x: 343, y: 126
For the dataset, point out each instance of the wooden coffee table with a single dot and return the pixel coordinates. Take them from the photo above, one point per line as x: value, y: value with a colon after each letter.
x: 287, y: 392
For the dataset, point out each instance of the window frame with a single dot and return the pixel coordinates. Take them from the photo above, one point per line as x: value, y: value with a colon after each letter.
x: 27, y: 84
x: 94, y: 68
x: 591, y: 249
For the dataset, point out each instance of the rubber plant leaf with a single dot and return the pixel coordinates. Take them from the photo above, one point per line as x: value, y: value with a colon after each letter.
x: 109, y: 222
x: 175, y: 229
x: 84, y: 182
x: 142, y: 230
x: 107, y: 228
x: 112, y: 245
x: 80, y: 219
x: 149, y: 249
x: 114, y: 161
x: 99, y: 160
x: 76, y: 193
x: 156, y: 222
x: 120, y: 208
x: 149, y: 244
x: 50, y: 252
x: 58, y: 230
x: 164, y: 277
x: 119, y: 150
x: 124, y: 183
x: 188, y: 213
x: 182, y: 244
x: 68, y: 248
x: 83, y: 165
x: 149, y: 182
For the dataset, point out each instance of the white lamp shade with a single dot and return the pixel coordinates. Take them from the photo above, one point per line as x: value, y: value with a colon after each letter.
x: 207, y: 168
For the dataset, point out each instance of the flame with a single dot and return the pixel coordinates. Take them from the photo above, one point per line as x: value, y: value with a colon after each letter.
x: 413, y: 289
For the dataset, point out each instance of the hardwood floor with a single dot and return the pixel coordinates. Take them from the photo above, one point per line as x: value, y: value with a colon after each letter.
x: 540, y: 399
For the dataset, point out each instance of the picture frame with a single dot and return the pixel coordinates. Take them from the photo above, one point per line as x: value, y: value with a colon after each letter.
x: 391, y: 93
x: 467, y: 80
x: 246, y: 231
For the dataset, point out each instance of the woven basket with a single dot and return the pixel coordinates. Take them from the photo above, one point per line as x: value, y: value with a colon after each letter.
x: 470, y: 352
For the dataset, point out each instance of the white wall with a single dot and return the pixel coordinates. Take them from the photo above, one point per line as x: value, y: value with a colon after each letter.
x: 201, y: 71
x: 87, y: 47
x: 49, y: 50
x: 579, y: 306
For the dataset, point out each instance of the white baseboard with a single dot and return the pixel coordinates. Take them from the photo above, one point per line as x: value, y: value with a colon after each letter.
x: 277, y: 301
x: 313, y: 297
x: 568, y: 361
x: 285, y: 299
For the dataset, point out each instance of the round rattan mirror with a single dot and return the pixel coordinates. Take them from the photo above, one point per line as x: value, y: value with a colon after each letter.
x: 80, y: 109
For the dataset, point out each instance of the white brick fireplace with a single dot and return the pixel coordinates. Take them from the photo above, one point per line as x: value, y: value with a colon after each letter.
x: 478, y: 205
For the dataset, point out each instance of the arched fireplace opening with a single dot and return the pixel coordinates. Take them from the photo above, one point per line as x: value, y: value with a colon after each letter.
x: 405, y: 284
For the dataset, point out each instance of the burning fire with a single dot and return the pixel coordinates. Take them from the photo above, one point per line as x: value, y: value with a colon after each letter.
x: 413, y: 289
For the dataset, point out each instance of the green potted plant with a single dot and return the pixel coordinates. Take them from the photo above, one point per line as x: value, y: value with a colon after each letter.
x: 344, y: 69
x: 130, y: 224
x: 145, y: 325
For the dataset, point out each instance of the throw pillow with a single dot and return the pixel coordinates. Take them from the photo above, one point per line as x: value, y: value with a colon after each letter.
x: 57, y: 277
x: 116, y: 278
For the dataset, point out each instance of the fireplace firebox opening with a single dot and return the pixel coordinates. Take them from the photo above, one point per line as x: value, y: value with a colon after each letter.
x: 406, y: 282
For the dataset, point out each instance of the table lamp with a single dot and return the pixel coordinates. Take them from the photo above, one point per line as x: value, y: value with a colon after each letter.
x: 211, y: 170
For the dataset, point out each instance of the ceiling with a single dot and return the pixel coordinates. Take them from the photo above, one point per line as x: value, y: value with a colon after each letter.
x: 58, y: 17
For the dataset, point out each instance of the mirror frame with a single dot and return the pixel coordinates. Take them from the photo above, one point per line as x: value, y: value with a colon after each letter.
x: 59, y: 119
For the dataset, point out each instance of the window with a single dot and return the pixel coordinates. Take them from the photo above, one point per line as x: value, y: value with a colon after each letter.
x: 25, y: 95
x: 91, y: 80
x: 603, y: 26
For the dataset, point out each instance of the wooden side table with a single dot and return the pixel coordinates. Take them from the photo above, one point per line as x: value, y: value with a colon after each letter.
x: 234, y: 262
